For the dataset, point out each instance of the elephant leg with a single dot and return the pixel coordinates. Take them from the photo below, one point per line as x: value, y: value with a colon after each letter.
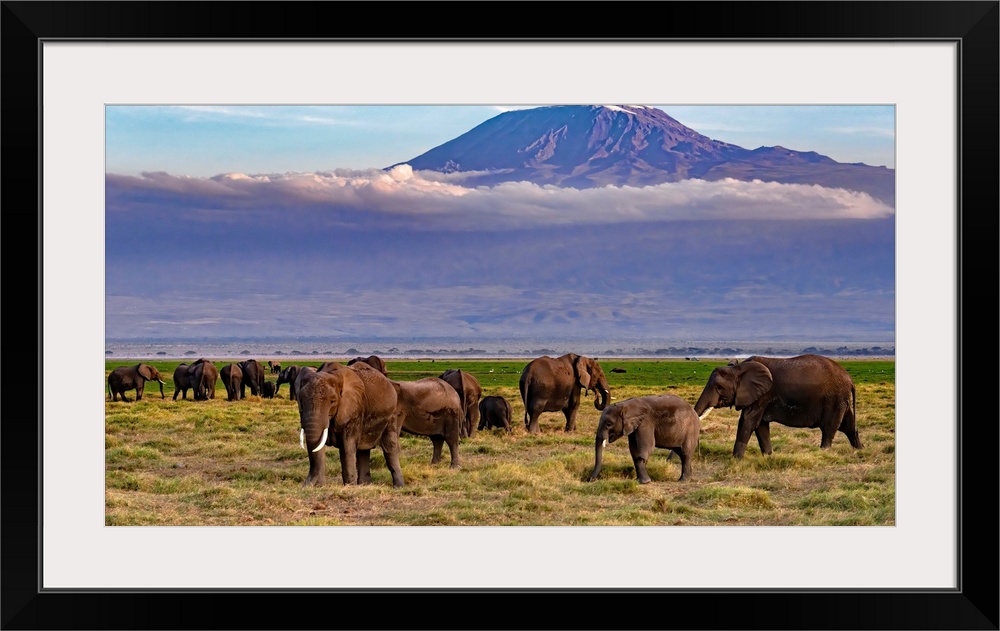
x: 828, y: 433
x: 453, y: 451
x: 570, y: 413
x: 744, y: 429
x: 850, y: 428
x: 531, y: 421
x: 390, y: 449
x: 364, y: 466
x: 317, y: 474
x: 349, y: 461
x: 763, y: 433
x: 832, y: 418
x: 640, y: 456
x: 743, y: 432
x: 438, y: 442
x: 686, y: 468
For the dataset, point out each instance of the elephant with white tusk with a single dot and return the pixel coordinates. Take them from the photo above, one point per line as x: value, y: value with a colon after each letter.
x: 132, y: 378
x: 550, y: 384
x: 664, y: 420
x: 353, y: 409
x: 803, y: 391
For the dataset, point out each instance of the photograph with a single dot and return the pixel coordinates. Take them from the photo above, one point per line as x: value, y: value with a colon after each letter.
x: 427, y: 319
x: 499, y: 266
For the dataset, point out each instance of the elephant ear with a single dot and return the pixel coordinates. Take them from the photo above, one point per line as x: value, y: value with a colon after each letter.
x: 352, y: 390
x: 581, y: 366
x: 630, y: 422
x: 754, y: 381
x: 146, y: 371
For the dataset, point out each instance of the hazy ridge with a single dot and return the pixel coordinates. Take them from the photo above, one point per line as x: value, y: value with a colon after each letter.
x: 308, y: 347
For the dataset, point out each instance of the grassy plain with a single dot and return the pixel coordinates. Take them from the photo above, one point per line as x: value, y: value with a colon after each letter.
x: 218, y: 462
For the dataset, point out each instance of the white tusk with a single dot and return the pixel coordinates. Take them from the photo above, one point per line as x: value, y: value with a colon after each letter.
x: 302, y: 438
x: 605, y: 443
x: 322, y: 440
x: 705, y: 413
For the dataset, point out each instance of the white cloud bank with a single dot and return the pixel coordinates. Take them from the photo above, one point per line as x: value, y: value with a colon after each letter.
x: 425, y: 197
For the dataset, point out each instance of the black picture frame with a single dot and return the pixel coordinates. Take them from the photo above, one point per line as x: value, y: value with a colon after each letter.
x: 972, y: 605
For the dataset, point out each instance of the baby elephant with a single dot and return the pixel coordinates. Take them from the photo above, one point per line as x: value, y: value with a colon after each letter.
x: 269, y: 390
x: 494, y: 412
x: 663, y: 420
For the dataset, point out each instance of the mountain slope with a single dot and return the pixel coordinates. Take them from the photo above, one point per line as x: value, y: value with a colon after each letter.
x: 585, y: 146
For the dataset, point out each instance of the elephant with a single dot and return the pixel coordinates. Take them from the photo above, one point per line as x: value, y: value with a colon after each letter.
x: 274, y: 367
x: 253, y: 376
x: 203, y: 374
x: 659, y: 420
x: 469, y: 391
x: 374, y: 361
x: 182, y: 381
x: 803, y: 391
x: 135, y: 377
x: 431, y: 407
x: 353, y: 409
x: 550, y: 384
x: 494, y: 411
x: 269, y: 390
x: 232, y: 378
x: 287, y: 375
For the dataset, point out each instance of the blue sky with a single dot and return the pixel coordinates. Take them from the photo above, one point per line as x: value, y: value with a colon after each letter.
x: 203, y: 141
x: 278, y: 221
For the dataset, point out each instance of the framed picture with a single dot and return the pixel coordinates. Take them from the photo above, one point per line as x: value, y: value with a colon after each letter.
x: 935, y: 69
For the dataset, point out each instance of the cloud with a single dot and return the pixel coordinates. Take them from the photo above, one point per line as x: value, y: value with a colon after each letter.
x: 402, y: 196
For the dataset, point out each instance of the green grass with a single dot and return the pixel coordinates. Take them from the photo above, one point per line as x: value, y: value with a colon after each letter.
x: 233, y: 463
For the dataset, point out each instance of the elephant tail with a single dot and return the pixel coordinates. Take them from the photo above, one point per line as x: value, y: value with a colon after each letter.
x: 461, y: 395
x: 523, y: 386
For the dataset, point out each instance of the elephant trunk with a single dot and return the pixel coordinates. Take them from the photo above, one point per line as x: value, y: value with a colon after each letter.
x: 599, y: 444
x: 314, y: 433
x: 601, y: 396
x: 706, y: 403
x: 161, y: 388
x: 315, y: 417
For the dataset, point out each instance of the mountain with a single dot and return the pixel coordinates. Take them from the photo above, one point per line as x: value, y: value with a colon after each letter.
x: 586, y: 146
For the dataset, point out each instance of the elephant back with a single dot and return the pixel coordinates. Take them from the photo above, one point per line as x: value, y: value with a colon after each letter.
x: 380, y: 394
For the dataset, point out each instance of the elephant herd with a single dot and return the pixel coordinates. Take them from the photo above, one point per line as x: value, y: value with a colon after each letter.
x: 356, y: 407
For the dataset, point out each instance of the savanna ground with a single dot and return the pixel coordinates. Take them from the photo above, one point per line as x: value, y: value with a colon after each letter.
x: 225, y: 463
